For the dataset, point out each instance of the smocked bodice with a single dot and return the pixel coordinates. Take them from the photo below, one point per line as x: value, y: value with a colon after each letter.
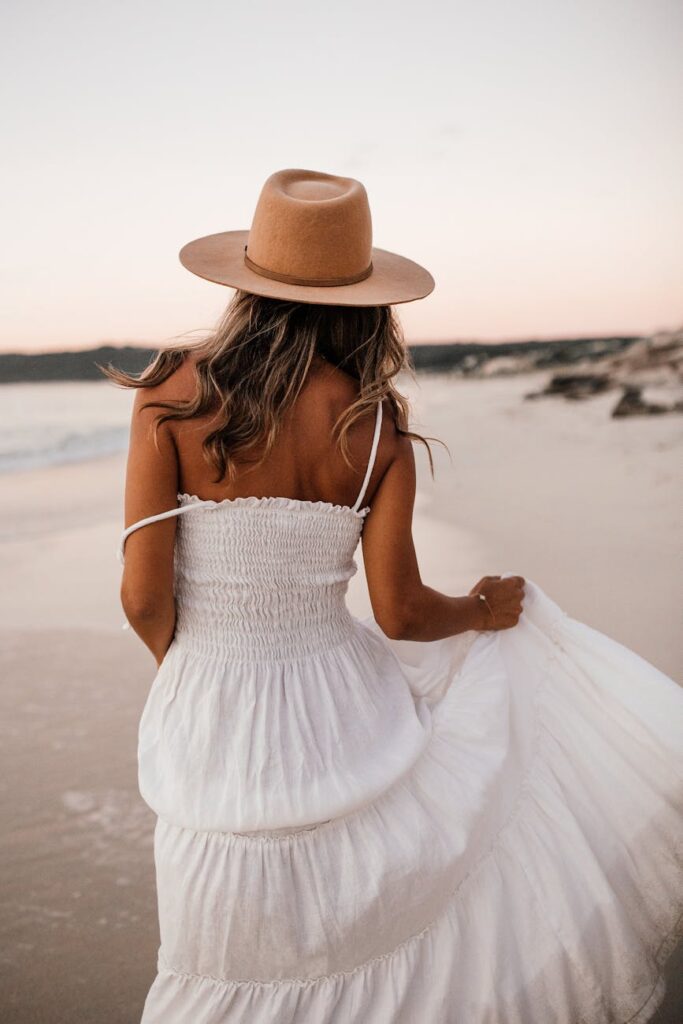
x: 264, y: 578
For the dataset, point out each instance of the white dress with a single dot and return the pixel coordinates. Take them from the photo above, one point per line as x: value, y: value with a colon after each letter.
x: 485, y: 829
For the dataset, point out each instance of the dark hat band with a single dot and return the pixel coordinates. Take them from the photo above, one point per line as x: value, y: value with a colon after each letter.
x: 290, y: 279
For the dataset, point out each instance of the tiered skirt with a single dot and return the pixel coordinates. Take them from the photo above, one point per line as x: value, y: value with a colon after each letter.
x: 527, y: 868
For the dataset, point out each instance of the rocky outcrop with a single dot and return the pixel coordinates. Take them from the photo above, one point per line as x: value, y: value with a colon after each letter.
x: 655, y: 363
x: 632, y: 403
x: 575, y: 385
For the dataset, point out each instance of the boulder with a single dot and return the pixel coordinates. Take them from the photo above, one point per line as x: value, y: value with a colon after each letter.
x: 632, y: 403
x: 575, y: 386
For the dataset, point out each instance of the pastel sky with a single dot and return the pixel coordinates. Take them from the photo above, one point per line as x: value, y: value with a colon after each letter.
x: 530, y: 154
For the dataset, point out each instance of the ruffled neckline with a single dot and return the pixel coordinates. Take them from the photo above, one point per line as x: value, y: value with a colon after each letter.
x: 288, y: 504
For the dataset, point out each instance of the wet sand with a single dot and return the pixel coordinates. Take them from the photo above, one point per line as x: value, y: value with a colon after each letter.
x: 583, y: 505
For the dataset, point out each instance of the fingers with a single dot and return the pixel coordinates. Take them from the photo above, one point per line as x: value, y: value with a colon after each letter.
x: 515, y: 581
x: 504, y: 601
x: 510, y: 608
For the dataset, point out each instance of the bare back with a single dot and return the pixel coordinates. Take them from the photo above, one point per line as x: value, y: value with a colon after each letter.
x: 305, y: 462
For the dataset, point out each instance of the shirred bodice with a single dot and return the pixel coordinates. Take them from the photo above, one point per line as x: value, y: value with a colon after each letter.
x: 264, y: 578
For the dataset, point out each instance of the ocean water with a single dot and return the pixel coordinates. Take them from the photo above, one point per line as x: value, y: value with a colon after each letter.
x: 49, y: 423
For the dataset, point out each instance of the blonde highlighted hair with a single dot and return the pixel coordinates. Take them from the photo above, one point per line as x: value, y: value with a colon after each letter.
x: 253, y: 365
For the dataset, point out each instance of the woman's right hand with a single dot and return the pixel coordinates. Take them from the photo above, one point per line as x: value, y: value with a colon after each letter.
x: 503, y: 605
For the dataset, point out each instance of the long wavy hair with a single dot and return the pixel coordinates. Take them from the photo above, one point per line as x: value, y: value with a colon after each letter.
x: 254, y: 363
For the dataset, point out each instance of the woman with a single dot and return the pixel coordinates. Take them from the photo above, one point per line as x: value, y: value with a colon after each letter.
x: 460, y: 809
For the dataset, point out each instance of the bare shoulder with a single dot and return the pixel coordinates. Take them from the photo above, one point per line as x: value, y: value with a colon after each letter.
x: 326, y: 385
x: 181, y: 383
x: 329, y: 391
x: 179, y: 386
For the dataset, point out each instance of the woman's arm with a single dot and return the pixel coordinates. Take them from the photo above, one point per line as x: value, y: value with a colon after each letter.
x: 404, y: 608
x: 151, y: 487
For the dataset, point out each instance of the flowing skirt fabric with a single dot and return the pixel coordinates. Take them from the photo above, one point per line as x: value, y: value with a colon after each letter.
x: 525, y: 868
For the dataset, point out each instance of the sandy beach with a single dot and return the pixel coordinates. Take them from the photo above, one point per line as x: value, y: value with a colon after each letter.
x: 584, y: 505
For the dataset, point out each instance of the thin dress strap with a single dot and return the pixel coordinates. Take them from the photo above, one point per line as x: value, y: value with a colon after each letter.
x: 371, y: 460
x: 153, y: 519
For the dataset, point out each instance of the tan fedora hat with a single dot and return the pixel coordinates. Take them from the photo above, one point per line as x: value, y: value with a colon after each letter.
x: 310, y: 241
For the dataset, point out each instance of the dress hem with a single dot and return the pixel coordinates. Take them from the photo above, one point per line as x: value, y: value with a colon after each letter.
x: 640, y: 1015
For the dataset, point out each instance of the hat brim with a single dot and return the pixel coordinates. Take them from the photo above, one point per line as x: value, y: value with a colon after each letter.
x: 220, y: 258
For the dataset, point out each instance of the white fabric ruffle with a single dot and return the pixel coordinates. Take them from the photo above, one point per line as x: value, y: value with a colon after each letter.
x: 514, y: 857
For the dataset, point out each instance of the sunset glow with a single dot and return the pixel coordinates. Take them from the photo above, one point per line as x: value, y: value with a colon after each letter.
x: 530, y: 156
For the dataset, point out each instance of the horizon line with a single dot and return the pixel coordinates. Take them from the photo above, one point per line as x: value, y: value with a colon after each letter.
x: 152, y: 346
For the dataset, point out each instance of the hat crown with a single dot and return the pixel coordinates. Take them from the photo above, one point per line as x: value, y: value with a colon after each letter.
x: 311, y: 228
